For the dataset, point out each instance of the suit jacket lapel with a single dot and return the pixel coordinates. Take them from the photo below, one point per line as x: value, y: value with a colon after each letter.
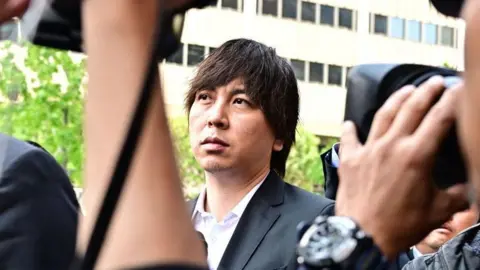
x: 259, y: 216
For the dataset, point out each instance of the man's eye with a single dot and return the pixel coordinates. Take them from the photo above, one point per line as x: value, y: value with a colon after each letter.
x: 202, y: 97
x: 241, y: 101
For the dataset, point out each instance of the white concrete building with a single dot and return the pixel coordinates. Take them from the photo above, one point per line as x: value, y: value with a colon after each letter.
x: 321, y: 38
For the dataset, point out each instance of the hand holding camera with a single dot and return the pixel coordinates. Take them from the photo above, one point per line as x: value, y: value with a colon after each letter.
x: 395, y: 163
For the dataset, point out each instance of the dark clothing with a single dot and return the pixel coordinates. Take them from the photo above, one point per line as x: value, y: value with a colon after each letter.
x: 331, y: 186
x: 460, y: 253
x: 169, y: 267
x: 77, y: 265
x: 38, y: 209
x: 330, y: 175
x: 266, y: 236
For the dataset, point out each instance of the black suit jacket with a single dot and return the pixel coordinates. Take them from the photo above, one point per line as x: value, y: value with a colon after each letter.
x: 38, y: 209
x: 266, y: 235
x: 331, y: 186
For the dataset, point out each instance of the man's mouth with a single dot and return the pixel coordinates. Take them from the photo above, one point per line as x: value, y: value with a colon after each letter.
x: 214, y: 144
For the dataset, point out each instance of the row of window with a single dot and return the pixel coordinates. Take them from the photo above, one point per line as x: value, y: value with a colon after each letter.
x: 191, y: 55
x: 314, y: 72
x: 395, y: 27
x: 413, y: 30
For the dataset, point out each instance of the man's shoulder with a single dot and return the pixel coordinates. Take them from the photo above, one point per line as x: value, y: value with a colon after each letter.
x: 298, y: 197
x: 13, y: 150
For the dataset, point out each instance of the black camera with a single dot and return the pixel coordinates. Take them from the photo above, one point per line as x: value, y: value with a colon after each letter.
x: 370, y: 85
x: 58, y: 24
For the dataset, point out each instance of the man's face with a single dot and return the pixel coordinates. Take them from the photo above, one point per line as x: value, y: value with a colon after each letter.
x: 469, y: 106
x: 228, y: 132
x: 459, y: 222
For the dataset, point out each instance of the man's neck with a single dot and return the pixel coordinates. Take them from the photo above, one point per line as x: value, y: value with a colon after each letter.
x: 224, y: 191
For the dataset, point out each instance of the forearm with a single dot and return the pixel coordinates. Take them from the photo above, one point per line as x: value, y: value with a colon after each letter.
x: 152, y: 224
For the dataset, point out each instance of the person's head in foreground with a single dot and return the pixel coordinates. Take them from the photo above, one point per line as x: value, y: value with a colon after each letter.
x: 459, y: 222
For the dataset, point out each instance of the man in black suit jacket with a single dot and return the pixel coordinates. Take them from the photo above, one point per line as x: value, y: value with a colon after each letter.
x: 38, y: 209
x: 265, y: 237
x: 243, y: 107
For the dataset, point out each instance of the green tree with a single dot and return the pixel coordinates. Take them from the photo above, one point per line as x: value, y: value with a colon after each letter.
x: 41, y: 93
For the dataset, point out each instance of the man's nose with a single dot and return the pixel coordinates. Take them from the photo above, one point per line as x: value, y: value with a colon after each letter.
x: 218, y: 116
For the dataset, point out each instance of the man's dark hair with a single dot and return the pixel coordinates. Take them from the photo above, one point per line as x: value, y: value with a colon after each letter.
x: 269, y: 80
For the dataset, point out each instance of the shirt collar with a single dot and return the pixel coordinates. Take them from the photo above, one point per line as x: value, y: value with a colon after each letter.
x: 416, y: 252
x: 236, y: 211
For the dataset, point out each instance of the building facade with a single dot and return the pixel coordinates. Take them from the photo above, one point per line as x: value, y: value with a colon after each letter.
x: 321, y: 39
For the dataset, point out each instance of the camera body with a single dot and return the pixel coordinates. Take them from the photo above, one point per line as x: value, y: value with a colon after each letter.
x: 370, y: 85
x: 58, y: 24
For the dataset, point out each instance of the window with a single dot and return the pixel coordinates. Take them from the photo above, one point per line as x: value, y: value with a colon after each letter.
x: 335, y: 75
x: 345, y: 18
x: 413, y: 31
x: 308, y: 12
x: 176, y: 57
x: 299, y: 69
x: 447, y: 36
x: 316, y: 72
x: 195, y: 54
x: 270, y: 7
x: 397, y: 27
x: 380, y: 24
x: 233, y: 4
x: 327, y: 14
x: 289, y: 9
x: 211, y: 49
x: 431, y: 32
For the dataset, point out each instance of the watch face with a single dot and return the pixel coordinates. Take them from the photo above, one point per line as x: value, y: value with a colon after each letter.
x: 327, y: 241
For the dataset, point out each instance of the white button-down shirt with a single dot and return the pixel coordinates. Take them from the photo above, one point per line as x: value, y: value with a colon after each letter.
x: 218, y: 234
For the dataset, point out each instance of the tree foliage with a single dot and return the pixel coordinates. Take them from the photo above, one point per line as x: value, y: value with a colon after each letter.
x: 42, y: 101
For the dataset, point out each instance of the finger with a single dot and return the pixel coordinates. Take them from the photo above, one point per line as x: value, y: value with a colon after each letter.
x: 437, y: 123
x: 386, y: 114
x: 348, y: 140
x: 417, y: 105
x: 450, y: 201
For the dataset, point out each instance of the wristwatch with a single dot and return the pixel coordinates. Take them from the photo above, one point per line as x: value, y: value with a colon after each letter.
x: 337, y: 243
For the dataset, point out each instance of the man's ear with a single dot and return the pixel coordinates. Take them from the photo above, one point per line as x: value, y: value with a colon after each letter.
x: 278, y: 145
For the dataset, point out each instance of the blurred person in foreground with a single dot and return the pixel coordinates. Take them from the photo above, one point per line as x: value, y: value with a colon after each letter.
x: 38, y: 209
x: 458, y: 223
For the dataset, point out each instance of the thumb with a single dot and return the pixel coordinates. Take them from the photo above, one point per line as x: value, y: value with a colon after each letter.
x: 349, y: 140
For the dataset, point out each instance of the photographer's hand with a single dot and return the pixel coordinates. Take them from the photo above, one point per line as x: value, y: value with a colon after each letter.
x: 386, y: 184
x: 12, y: 8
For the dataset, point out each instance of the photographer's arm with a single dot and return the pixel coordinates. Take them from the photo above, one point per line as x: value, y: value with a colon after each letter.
x: 151, y: 224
